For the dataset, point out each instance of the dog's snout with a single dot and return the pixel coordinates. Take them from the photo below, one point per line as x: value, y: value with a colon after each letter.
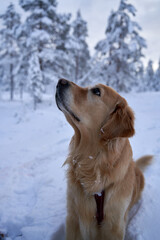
x: 63, y: 83
x: 61, y: 92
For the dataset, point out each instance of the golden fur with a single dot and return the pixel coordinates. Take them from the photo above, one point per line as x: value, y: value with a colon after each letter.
x: 100, y: 158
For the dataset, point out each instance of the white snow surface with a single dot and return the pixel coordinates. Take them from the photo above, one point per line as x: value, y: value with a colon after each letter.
x: 33, y: 147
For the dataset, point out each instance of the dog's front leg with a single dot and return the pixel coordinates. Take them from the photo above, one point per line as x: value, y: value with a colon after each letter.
x: 114, y: 232
x: 72, y: 220
x: 72, y: 229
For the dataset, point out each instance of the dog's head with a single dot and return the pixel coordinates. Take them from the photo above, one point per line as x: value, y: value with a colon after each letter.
x: 98, y: 109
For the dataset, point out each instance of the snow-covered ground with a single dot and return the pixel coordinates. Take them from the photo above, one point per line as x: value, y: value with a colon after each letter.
x: 33, y: 147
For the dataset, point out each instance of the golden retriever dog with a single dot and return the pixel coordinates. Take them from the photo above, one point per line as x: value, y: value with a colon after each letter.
x: 103, y: 180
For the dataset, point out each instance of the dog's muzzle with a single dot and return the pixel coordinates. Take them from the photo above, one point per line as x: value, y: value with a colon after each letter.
x: 61, y: 88
x: 62, y: 93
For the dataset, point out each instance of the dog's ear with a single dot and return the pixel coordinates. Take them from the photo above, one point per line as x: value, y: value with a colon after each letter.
x: 120, y: 122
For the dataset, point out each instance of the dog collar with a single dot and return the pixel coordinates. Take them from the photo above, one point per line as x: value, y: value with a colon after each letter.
x: 99, y: 197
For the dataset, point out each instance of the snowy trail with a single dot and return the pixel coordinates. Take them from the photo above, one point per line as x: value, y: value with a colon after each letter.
x: 33, y: 147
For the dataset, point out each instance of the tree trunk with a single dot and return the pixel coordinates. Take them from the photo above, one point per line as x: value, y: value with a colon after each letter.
x: 11, y: 82
x: 21, y: 92
x: 77, y: 68
x: 34, y: 103
x: 40, y: 48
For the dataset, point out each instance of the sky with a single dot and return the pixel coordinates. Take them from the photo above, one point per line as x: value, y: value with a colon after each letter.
x: 96, y: 13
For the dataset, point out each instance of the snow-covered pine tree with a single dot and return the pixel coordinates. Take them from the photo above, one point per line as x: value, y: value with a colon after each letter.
x: 1, y: 77
x: 48, y: 32
x: 9, y: 51
x: 35, y: 79
x: 157, y: 78
x: 40, y: 27
x: 79, y: 47
x: 149, y: 79
x: 62, y: 28
x: 59, y: 62
x: 23, y: 64
x: 140, y: 79
x: 121, y: 50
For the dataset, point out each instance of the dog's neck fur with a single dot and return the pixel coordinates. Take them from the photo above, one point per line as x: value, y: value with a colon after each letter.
x: 87, y: 159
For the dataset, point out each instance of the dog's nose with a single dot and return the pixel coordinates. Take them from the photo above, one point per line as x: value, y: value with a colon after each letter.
x: 63, y: 83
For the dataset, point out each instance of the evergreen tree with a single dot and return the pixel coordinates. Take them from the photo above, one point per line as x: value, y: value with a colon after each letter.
x: 140, y: 80
x: 47, y: 32
x: 35, y: 80
x: 121, y: 50
x: 9, y: 51
x: 150, y: 77
x: 63, y: 29
x: 79, y: 47
x: 157, y: 78
x: 23, y: 64
x: 40, y: 28
x: 59, y: 62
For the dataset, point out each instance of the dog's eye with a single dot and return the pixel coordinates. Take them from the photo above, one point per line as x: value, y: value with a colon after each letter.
x: 96, y: 91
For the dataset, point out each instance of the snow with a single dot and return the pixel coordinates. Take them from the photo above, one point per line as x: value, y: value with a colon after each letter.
x: 33, y: 149
x: 34, y: 146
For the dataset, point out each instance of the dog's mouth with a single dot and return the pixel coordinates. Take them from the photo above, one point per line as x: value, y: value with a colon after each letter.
x: 63, y: 106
